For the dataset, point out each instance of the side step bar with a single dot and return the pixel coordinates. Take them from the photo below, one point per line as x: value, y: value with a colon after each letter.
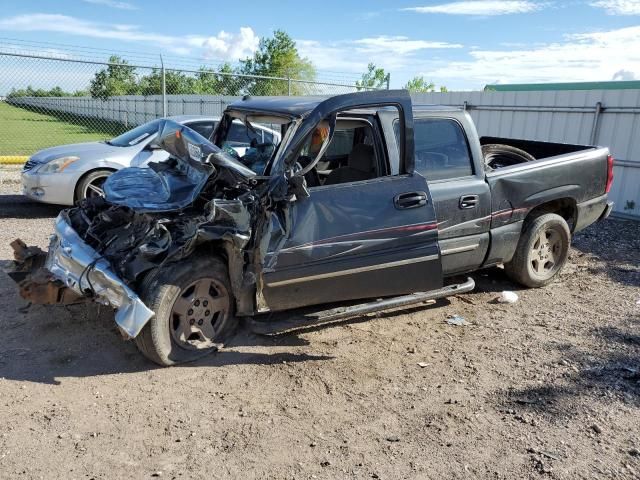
x: 290, y: 321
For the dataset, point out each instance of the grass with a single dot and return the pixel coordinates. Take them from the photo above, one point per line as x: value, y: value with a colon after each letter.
x: 23, y: 132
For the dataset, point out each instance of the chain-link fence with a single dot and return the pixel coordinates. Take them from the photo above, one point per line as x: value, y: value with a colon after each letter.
x: 53, y: 99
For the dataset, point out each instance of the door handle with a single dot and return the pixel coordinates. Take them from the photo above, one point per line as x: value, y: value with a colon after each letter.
x: 468, y: 201
x: 410, y: 200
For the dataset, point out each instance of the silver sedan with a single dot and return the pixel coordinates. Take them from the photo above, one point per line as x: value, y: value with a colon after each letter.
x: 68, y: 173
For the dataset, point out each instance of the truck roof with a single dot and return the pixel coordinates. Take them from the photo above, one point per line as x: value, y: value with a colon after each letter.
x: 303, y: 106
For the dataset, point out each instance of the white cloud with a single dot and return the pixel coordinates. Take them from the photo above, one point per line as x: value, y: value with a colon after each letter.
x: 389, y: 52
x: 113, y: 4
x: 480, y: 7
x: 580, y: 57
x: 619, y: 7
x: 225, y: 46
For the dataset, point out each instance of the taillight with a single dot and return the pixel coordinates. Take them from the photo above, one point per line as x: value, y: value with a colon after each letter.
x: 609, y: 173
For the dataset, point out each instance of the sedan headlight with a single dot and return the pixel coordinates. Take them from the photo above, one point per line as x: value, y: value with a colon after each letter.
x: 57, y: 165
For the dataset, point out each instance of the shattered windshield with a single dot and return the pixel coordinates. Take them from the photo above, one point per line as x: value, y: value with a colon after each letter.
x: 137, y: 135
x: 252, y: 139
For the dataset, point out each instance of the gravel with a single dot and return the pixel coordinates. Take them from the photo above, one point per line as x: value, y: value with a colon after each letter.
x: 517, y: 394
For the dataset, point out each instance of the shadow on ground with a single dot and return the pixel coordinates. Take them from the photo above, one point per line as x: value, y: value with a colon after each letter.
x: 19, y: 206
x: 43, y: 344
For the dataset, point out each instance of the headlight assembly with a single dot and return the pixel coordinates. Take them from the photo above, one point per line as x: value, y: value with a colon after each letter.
x: 57, y: 165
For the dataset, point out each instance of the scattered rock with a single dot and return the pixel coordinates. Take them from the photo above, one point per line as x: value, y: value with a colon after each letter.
x: 596, y: 428
x: 393, y: 438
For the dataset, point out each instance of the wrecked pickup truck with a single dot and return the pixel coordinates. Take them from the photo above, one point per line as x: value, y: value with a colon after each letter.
x: 365, y: 199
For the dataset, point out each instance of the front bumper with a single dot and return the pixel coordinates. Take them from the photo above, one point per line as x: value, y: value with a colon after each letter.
x: 57, y: 188
x: 84, y: 271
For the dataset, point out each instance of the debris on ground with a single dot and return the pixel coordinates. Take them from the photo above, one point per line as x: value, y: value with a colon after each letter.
x: 423, y: 364
x: 458, y: 321
x: 508, y: 297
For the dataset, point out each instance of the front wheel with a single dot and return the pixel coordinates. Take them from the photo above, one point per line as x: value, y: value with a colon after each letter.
x: 542, y: 251
x: 193, y: 307
x: 91, y: 185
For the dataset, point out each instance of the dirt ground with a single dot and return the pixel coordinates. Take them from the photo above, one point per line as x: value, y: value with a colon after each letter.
x: 548, y: 387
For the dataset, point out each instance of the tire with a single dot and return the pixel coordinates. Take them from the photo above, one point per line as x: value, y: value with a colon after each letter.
x: 534, y: 264
x: 169, y: 293
x: 497, y: 156
x: 96, y: 179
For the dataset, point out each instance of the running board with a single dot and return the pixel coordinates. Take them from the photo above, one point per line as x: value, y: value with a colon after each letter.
x: 289, y: 321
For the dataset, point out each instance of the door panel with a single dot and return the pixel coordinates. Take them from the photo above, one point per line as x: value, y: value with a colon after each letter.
x: 463, y: 210
x: 350, y: 241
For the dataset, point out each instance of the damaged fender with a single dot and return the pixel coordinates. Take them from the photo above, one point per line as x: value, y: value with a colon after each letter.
x: 84, y: 271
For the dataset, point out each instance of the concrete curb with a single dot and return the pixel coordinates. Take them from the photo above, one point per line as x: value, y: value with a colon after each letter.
x: 13, y: 159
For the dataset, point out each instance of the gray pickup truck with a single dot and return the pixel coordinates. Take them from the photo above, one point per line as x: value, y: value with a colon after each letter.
x: 366, y: 202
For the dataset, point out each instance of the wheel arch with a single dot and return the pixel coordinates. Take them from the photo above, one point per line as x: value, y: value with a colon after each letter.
x: 566, y: 207
x: 87, y: 173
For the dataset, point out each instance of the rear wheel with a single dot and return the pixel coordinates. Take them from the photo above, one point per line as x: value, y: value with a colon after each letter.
x: 193, y: 307
x: 542, y: 251
x: 91, y: 185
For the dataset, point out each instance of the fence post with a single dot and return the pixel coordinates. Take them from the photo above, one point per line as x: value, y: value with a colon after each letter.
x: 164, y: 89
x: 288, y: 84
x: 593, y: 139
x: 388, y: 80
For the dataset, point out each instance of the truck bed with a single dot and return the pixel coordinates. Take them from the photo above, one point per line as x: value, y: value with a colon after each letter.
x: 539, y: 150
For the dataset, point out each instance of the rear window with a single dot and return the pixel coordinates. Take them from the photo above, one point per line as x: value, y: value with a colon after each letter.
x: 441, y: 149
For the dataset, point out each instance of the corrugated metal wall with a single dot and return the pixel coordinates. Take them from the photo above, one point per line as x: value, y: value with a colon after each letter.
x: 564, y: 116
x: 604, y: 117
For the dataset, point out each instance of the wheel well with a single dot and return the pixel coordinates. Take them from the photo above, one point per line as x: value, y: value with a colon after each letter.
x: 84, y: 175
x: 565, y: 207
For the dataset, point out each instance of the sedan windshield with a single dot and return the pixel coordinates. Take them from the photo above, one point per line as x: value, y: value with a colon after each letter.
x: 137, y: 135
x: 253, y: 139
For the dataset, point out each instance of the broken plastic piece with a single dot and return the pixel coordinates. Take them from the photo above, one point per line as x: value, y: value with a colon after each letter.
x: 508, y: 297
x: 457, y: 320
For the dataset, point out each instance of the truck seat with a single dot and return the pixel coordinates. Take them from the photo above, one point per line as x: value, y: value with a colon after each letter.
x: 359, y: 166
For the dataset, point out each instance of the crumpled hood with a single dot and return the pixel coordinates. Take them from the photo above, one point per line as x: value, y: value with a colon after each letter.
x: 175, y: 183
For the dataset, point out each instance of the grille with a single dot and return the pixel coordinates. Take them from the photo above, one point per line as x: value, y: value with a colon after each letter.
x: 29, y: 165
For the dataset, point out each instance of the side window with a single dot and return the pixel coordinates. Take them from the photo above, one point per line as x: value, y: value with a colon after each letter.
x: 203, y: 128
x: 441, y: 149
x: 350, y: 157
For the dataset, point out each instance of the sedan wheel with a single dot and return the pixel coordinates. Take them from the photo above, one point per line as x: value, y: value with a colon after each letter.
x: 92, y: 184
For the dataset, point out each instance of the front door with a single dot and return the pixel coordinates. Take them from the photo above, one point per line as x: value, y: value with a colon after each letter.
x: 359, y: 240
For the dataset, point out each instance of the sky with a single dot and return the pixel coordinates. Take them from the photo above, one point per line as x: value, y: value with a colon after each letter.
x: 463, y: 45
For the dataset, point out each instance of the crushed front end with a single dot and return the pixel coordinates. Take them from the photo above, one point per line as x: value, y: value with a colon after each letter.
x: 103, y: 249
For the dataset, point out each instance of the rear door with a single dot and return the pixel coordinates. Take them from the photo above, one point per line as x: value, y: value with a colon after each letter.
x: 368, y: 238
x: 461, y: 196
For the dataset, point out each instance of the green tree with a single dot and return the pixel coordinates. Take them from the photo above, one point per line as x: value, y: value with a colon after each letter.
x: 374, y: 78
x: 277, y: 56
x: 211, y: 82
x: 176, y: 83
x: 420, y: 85
x: 40, y: 92
x: 119, y: 78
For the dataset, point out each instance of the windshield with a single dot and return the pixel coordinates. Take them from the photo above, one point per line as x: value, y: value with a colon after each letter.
x: 253, y: 139
x: 137, y: 135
